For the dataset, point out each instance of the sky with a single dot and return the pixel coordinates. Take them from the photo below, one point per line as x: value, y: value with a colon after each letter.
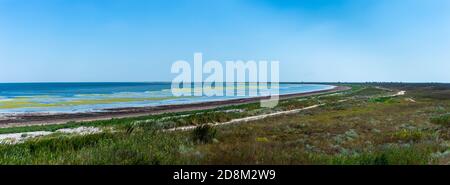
x: 139, y: 40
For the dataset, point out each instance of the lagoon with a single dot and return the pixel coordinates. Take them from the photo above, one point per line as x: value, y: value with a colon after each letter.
x: 19, y: 98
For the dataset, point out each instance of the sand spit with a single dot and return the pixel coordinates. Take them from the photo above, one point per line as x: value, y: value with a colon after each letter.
x: 17, y: 138
x: 47, y: 119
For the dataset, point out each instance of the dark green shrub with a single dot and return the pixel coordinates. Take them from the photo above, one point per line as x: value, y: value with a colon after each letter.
x: 152, y: 126
x: 381, y: 160
x: 129, y: 128
x: 443, y: 120
x: 382, y: 100
x: 204, y: 134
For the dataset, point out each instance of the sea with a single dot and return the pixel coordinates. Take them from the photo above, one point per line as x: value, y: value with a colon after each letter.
x: 22, y: 98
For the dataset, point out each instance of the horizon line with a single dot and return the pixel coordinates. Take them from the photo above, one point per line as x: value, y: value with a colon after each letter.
x: 338, y: 82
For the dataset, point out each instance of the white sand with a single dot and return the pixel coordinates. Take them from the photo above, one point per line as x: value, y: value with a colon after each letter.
x: 17, y: 138
x: 80, y: 130
x: 21, y: 137
x: 400, y: 93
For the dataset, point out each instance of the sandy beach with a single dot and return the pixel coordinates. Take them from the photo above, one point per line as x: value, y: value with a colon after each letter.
x: 42, y: 119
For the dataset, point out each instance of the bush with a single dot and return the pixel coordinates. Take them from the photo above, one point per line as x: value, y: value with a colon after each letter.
x: 443, y: 120
x: 382, y: 100
x: 204, y: 134
x: 205, y: 118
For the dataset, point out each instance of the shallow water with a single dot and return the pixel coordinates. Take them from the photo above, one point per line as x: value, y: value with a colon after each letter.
x: 17, y: 98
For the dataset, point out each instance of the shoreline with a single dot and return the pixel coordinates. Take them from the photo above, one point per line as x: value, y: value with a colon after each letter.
x: 116, y: 113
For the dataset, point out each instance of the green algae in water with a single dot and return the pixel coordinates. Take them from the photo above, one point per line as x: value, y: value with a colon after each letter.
x: 33, y: 103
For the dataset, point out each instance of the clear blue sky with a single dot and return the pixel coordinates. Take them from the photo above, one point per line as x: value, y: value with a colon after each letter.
x: 138, y: 40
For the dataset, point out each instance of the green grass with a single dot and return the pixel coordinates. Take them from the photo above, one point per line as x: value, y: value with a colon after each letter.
x: 382, y: 100
x: 408, y: 135
x: 413, y: 155
x: 106, y: 148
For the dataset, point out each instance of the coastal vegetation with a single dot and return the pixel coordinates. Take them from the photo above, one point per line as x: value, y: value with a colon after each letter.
x: 368, y: 125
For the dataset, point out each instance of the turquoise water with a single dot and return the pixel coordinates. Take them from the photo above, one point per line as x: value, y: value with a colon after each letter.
x: 85, y: 97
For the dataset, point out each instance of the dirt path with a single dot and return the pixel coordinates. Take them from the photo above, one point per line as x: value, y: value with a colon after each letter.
x: 399, y: 93
x: 247, y: 119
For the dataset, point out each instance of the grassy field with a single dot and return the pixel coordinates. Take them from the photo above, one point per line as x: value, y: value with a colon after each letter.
x: 365, y: 125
